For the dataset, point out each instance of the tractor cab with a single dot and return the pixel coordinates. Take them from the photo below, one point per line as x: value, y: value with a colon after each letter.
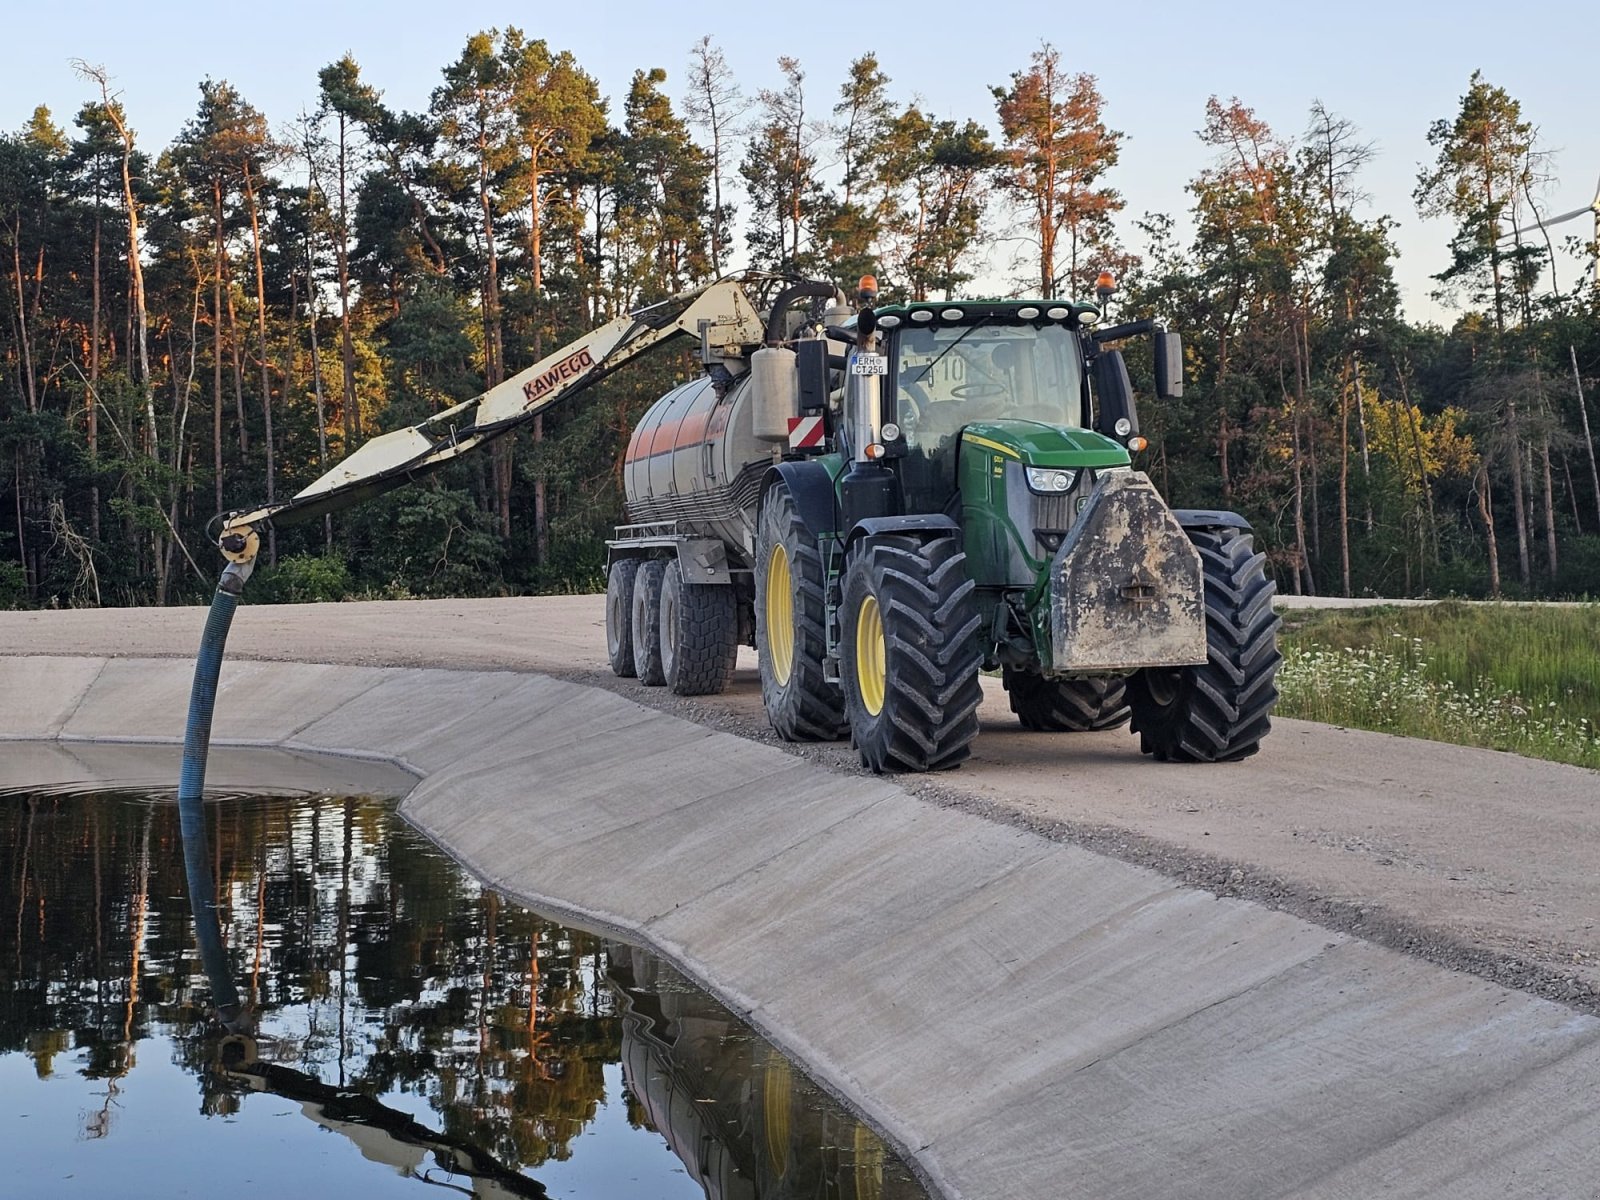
x: 952, y: 374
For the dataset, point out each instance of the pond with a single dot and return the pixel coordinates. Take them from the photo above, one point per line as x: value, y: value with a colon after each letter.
x: 401, y: 1027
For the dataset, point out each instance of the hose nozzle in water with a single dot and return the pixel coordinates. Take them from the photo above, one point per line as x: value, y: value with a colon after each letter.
x: 192, y: 785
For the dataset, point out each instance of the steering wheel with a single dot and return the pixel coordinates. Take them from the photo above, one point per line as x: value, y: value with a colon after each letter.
x: 977, y: 391
x: 914, y: 401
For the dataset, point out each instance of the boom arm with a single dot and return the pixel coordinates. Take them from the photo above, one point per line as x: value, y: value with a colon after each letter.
x: 721, y: 314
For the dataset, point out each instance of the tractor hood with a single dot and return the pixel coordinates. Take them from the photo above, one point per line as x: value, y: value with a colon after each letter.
x: 1039, y: 445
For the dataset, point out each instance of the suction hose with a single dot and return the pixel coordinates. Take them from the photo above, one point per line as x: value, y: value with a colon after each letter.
x: 192, y: 785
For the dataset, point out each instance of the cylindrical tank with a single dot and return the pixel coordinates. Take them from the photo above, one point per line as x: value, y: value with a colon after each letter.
x: 694, y: 458
x: 777, y: 392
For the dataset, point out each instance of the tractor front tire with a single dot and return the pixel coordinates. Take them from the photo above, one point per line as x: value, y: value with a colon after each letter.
x: 699, y: 634
x: 909, y: 654
x: 1218, y: 712
x: 791, y: 631
x: 1066, y: 705
x: 647, y: 623
x: 619, y: 616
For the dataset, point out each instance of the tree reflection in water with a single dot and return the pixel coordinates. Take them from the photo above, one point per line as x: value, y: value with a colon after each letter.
x: 451, y: 1035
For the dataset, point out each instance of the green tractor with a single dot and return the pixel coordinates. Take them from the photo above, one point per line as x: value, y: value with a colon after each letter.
x: 973, y: 506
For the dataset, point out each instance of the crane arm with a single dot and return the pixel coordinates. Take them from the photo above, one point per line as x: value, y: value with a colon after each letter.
x: 722, y: 314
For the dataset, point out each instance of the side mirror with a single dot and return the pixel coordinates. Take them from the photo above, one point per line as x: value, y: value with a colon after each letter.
x: 811, y: 358
x: 1115, y: 414
x: 1169, y: 366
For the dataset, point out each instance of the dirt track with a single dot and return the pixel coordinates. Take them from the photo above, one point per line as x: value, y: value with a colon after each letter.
x: 1478, y: 860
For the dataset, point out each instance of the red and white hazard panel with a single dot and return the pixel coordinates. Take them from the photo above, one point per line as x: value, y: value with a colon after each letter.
x: 805, y: 433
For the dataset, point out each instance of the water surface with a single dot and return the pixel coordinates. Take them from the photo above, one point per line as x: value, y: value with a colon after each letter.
x: 402, y: 1028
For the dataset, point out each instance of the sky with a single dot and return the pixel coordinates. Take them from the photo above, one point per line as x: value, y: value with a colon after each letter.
x: 1391, y: 68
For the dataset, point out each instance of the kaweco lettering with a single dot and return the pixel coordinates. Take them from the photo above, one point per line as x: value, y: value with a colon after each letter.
x: 545, y: 383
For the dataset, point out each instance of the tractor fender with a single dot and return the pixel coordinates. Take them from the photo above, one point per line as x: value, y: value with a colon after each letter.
x: 812, y: 488
x: 1209, y: 518
x: 926, y: 527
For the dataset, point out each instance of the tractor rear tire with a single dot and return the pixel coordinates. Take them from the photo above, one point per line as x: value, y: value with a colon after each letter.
x: 699, y: 634
x: 791, y: 630
x: 619, y: 616
x: 1218, y: 712
x: 647, y: 623
x: 1066, y: 705
x: 909, y: 654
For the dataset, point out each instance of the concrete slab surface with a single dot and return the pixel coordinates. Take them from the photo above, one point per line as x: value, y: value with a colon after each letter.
x: 1021, y: 1016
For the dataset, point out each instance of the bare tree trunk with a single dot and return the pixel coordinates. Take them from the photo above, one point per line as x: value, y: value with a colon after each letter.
x: 216, y: 340
x: 316, y: 384
x: 1303, y: 570
x: 541, y: 516
x: 1519, y: 506
x: 22, y: 528
x: 238, y: 373
x: 1572, y: 493
x: 1486, y: 511
x: 1297, y: 453
x: 1549, y: 509
x: 1361, y: 430
x: 261, y: 349
x: 1223, y: 433
x: 1344, y: 487
x: 29, y: 384
x: 493, y: 345
x: 92, y: 401
x: 1588, y: 440
x: 347, y: 349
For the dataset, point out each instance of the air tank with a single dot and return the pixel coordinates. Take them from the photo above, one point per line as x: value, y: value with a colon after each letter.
x: 694, y: 458
x: 776, y: 399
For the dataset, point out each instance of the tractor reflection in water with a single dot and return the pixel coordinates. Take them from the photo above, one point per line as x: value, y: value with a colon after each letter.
x: 743, y: 1120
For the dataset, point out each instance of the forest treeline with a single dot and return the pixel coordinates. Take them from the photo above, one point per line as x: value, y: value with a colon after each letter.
x: 208, y: 325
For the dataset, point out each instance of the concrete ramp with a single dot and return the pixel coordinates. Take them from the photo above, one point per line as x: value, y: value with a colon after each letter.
x: 1022, y: 1017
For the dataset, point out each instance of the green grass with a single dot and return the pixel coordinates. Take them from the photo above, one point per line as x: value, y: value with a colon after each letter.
x: 1524, y: 679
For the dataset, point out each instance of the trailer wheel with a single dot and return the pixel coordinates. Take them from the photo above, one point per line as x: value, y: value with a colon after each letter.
x: 1066, y: 705
x: 791, y: 634
x: 1218, y: 712
x: 647, y: 623
x: 699, y: 634
x: 619, y: 616
x: 910, y: 654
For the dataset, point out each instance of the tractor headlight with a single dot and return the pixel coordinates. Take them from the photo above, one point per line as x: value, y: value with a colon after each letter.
x: 1050, y: 481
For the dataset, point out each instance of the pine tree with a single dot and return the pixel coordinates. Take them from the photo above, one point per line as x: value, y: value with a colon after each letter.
x: 1056, y: 150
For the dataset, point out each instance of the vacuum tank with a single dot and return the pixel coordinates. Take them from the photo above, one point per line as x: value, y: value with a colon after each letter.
x: 694, y: 458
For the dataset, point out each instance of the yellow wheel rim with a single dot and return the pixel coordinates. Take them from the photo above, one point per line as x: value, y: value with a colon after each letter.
x: 871, y: 670
x: 775, y: 1094
x: 780, y: 615
x: 868, y: 1165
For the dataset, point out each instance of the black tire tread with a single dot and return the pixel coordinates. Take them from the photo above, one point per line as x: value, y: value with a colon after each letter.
x: 1223, y: 709
x: 647, y: 623
x: 808, y: 708
x: 1066, y: 705
x: 705, y: 642
x: 931, y: 625
x: 619, y: 591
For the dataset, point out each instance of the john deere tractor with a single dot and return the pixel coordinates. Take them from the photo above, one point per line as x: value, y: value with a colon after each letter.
x: 888, y: 501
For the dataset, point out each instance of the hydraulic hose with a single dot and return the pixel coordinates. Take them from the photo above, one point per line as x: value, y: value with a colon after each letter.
x: 191, y: 790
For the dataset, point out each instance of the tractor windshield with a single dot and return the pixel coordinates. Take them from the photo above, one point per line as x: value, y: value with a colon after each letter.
x: 952, y: 375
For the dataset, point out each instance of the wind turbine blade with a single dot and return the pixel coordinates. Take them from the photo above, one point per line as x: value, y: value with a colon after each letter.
x: 1527, y: 231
